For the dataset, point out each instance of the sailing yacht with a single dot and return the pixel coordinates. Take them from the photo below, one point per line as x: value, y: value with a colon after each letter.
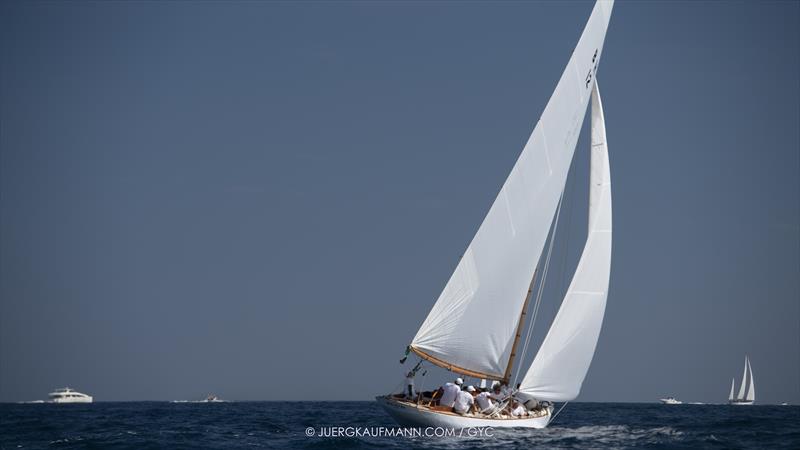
x: 745, y: 397
x: 498, y: 271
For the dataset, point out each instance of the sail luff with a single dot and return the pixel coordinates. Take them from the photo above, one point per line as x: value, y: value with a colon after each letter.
x: 751, y: 389
x: 486, y: 291
x: 560, y: 366
x: 733, y: 382
x: 744, y: 381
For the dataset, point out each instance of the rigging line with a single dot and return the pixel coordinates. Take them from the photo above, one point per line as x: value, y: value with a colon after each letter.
x: 539, y: 292
x: 546, y: 270
x: 557, y: 412
x: 570, y: 208
x: 420, y: 389
x: 398, y: 386
x: 403, y: 382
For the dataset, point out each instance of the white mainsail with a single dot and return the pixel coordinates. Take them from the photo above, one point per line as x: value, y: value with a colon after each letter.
x: 751, y: 389
x: 558, y: 370
x: 730, y: 396
x: 472, y: 325
x: 744, y: 381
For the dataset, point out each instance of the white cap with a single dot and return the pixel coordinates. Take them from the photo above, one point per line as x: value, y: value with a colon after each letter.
x: 459, y: 381
x: 470, y: 388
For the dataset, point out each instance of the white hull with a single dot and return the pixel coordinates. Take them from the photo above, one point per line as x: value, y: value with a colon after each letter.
x: 671, y: 401
x: 740, y: 402
x: 86, y: 399
x: 414, y: 416
x: 67, y: 395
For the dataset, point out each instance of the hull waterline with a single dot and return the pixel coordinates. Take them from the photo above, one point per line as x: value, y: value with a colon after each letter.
x: 410, y: 415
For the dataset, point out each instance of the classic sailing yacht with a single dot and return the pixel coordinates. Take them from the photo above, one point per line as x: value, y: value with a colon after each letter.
x: 493, y: 283
x: 750, y: 396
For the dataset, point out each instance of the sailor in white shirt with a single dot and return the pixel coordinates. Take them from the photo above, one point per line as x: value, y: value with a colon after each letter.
x: 450, y: 392
x: 464, y: 401
x: 519, y: 410
x: 484, y: 403
x: 410, y: 385
x: 497, y: 393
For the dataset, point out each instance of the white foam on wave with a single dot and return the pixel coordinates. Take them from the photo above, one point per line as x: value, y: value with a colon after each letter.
x: 200, y: 401
x: 614, y: 434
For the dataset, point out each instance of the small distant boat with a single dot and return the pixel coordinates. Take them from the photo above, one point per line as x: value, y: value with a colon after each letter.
x: 68, y: 395
x: 745, y: 397
x: 211, y: 398
x: 671, y: 401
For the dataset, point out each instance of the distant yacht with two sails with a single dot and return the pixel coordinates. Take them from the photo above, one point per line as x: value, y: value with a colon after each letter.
x: 745, y: 397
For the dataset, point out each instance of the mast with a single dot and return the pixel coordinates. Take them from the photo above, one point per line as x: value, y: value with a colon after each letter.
x: 472, y: 373
x: 507, y: 375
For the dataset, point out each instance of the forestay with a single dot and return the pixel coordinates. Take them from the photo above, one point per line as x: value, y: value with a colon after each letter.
x: 472, y: 325
x: 558, y: 370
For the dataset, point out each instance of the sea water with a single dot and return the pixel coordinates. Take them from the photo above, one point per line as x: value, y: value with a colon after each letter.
x: 362, y: 425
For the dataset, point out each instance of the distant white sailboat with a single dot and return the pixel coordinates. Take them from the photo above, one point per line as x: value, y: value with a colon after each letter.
x: 748, y: 396
x: 492, y: 284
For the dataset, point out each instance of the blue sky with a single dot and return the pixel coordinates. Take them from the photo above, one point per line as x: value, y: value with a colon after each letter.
x: 263, y: 200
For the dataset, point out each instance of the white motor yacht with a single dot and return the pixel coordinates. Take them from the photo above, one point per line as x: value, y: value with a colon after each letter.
x: 68, y: 395
x: 671, y: 401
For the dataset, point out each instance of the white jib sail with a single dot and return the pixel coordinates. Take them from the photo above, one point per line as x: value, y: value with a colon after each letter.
x: 473, y: 323
x: 744, y: 381
x: 558, y: 370
x: 730, y: 396
x: 751, y: 389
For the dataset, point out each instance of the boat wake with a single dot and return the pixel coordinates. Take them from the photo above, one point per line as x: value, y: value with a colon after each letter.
x: 200, y: 401
x: 596, y: 435
x: 616, y: 434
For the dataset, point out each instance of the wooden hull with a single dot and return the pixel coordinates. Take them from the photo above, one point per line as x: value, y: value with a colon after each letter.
x: 410, y: 415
